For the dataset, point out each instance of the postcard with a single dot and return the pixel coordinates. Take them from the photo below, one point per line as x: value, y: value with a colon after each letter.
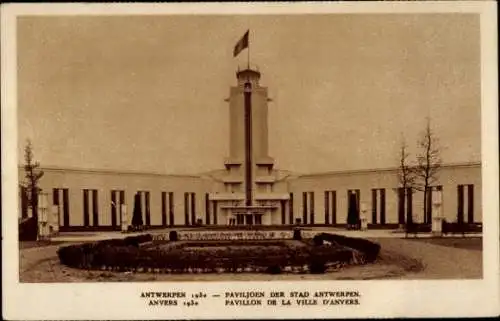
x: 250, y: 160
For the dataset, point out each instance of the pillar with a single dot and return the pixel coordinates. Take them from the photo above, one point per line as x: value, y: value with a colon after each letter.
x: 437, y: 215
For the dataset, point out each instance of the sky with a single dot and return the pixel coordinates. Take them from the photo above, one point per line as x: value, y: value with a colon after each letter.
x: 146, y: 93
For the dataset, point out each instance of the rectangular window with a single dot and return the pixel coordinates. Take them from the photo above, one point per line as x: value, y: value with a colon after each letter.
x: 117, y: 200
x: 460, y: 204
x: 401, y: 206
x: 120, y: 210
x: 86, y: 218
x: 327, y: 207
x: 55, y: 196
x: 283, y: 212
x: 171, y: 208
x: 353, y: 200
x: 164, y: 208
x: 470, y: 203
x: 114, y: 208
x: 304, y: 207
x: 430, y: 203
x: 374, y: 206
x: 290, y: 209
x: 65, y: 207
x: 330, y: 207
x: 148, y: 211
x: 193, y: 208
x: 60, y: 198
x: 215, y: 212
x: 311, y: 207
x: 333, y: 202
x: 143, y: 203
x: 382, y: 206
x: 207, y: 209
x: 378, y: 205
x: 428, y: 213
x: 95, y: 208
x: 186, y: 208
x: 465, y: 203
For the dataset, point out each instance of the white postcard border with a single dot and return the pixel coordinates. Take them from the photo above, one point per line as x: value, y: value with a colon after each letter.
x: 384, y: 298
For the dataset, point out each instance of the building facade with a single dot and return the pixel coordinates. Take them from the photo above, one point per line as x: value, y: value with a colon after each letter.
x: 249, y: 190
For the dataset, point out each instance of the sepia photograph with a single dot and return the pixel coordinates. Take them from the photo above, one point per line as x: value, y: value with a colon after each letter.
x: 193, y: 148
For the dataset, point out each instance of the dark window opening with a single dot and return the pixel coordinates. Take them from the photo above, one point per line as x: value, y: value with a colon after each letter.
x: 86, y: 218
x: 95, y: 208
x: 171, y: 208
x: 304, y: 207
x: 207, y: 209
x: 163, y: 208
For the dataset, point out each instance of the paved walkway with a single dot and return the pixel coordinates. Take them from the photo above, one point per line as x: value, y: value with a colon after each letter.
x: 40, y: 264
x: 440, y: 262
x: 97, y: 236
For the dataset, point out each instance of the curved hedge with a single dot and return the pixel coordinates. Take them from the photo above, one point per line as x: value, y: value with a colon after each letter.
x: 368, y: 249
x: 132, y: 254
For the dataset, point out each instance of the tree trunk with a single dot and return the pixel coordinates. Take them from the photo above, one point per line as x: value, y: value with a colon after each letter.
x: 425, y: 206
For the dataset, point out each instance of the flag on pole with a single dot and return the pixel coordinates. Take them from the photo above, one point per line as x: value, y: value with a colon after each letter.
x: 242, y: 44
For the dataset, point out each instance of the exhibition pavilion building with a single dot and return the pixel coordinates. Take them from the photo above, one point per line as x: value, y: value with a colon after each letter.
x: 249, y: 190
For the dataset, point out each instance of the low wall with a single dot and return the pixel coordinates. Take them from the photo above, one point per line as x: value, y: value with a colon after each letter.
x: 226, y: 235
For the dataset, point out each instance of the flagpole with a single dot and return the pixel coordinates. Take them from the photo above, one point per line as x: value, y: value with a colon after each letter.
x: 248, y: 50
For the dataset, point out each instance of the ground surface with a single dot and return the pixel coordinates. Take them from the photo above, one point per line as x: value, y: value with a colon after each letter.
x: 425, y: 258
x: 468, y: 243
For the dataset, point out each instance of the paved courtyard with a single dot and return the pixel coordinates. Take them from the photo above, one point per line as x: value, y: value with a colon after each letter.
x: 413, y: 258
x: 378, y: 234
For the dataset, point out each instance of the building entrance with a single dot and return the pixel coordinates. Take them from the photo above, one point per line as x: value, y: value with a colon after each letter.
x: 246, y: 219
x: 353, y: 209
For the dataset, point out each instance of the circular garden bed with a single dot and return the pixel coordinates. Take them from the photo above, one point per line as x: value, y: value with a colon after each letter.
x: 143, y: 253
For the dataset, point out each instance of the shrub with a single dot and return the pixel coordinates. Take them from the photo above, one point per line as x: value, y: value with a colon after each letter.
x: 270, y: 257
x: 414, y: 228
x: 28, y: 230
x: 172, y: 236
x: 112, y: 242
x: 273, y: 269
x: 317, y: 240
x: 460, y: 227
x: 369, y: 249
x: 317, y: 266
x: 296, y: 234
x: 136, y: 240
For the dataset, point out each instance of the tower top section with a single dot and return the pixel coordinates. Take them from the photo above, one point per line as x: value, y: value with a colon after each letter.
x: 248, y: 75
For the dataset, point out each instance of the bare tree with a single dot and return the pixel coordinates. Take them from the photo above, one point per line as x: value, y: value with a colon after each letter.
x: 406, y: 176
x: 428, y: 164
x: 33, y: 174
